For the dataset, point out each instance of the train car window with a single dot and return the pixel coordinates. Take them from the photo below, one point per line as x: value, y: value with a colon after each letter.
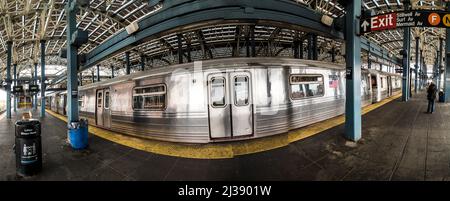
x: 137, y: 102
x: 81, y: 101
x: 381, y: 84
x: 305, y: 86
x: 218, y: 91
x: 107, y: 100
x: 241, y: 90
x: 150, y: 97
x: 99, y: 99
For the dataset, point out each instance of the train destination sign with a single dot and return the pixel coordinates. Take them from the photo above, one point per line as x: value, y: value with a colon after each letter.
x: 419, y: 18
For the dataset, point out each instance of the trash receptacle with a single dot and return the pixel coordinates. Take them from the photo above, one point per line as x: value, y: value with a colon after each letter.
x: 441, y: 97
x: 28, y: 147
x: 78, y: 134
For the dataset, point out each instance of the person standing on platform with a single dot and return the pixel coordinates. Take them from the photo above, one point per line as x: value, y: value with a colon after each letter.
x: 431, y: 95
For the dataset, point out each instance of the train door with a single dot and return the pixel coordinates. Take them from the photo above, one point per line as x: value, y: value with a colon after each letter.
x: 229, y: 104
x: 99, y: 110
x: 389, y: 85
x: 103, y: 108
x: 106, y: 109
x: 375, y: 88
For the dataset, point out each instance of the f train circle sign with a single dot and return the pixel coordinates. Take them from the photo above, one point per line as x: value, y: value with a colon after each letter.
x: 422, y: 18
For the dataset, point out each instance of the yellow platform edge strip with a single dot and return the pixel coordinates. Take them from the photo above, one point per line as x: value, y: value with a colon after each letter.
x: 223, y: 150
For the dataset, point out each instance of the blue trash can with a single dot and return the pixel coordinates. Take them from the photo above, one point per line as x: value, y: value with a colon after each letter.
x: 441, y: 97
x: 78, y: 134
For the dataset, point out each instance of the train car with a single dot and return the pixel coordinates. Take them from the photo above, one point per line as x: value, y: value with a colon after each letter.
x: 383, y: 84
x: 2, y: 100
x: 225, y: 99
x: 58, y: 102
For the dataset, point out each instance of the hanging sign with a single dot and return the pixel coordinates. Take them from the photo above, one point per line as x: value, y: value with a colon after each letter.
x: 419, y: 18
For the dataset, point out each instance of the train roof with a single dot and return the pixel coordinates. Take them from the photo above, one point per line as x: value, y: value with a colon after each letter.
x: 218, y: 63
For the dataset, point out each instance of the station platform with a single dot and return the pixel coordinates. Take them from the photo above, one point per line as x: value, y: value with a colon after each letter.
x: 400, y: 142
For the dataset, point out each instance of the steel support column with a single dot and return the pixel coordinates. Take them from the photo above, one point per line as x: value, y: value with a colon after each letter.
x: 80, y: 78
x: 15, y: 84
x: 353, y: 72
x: 315, y: 48
x: 406, y: 51
x: 142, y: 62
x: 180, y: 48
x: 8, y: 78
x: 439, y: 63
x: 447, y: 62
x: 93, y: 77
x: 72, y: 61
x: 112, y: 71
x: 252, y: 40
x: 127, y: 62
x: 302, y: 52
x: 43, y: 78
x: 333, y: 54
x: 98, y: 73
x: 35, y: 101
x: 417, y: 65
x: 310, y: 46
x: 369, y: 63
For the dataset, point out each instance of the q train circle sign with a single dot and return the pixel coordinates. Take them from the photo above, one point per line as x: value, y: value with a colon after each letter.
x: 395, y: 20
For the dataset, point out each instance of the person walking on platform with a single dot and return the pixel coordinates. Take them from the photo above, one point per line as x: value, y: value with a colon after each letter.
x: 431, y: 95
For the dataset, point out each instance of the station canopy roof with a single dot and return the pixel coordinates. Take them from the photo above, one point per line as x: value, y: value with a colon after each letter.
x: 27, y: 22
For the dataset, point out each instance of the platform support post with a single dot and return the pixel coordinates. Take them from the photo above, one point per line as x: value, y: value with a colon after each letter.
x: 369, y: 62
x: 302, y: 52
x: 142, y: 62
x: 406, y: 48
x: 296, y: 49
x: 315, y: 48
x: 98, y: 73
x: 72, y: 61
x: 93, y: 77
x: 447, y: 62
x: 310, y: 46
x: 127, y: 62
x: 439, y: 63
x: 35, y: 100
x: 15, y: 84
x: 417, y: 64
x: 8, y: 78
x: 42, y: 78
x: 353, y: 72
x: 180, y: 48
x: 112, y: 71
x: 333, y: 54
x: 252, y: 40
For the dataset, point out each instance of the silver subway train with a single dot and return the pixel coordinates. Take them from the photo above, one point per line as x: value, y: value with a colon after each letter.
x: 224, y: 99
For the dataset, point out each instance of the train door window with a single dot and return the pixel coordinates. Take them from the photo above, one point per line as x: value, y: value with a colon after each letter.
x: 305, y: 86
x: 218, y: 91
x: 107, y: 100
x: 381, y: 82
x: 81, y: 101
x: 241, y: 92
x: 150, y: 97
x: 100, y: 99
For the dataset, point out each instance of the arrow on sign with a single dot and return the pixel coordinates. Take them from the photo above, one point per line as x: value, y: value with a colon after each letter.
x: 364, y: 25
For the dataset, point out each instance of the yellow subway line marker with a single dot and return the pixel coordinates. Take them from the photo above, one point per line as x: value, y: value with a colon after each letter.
x: 222, y: 150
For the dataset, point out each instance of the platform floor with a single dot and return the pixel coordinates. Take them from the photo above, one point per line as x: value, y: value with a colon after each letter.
x: 400, y: 142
